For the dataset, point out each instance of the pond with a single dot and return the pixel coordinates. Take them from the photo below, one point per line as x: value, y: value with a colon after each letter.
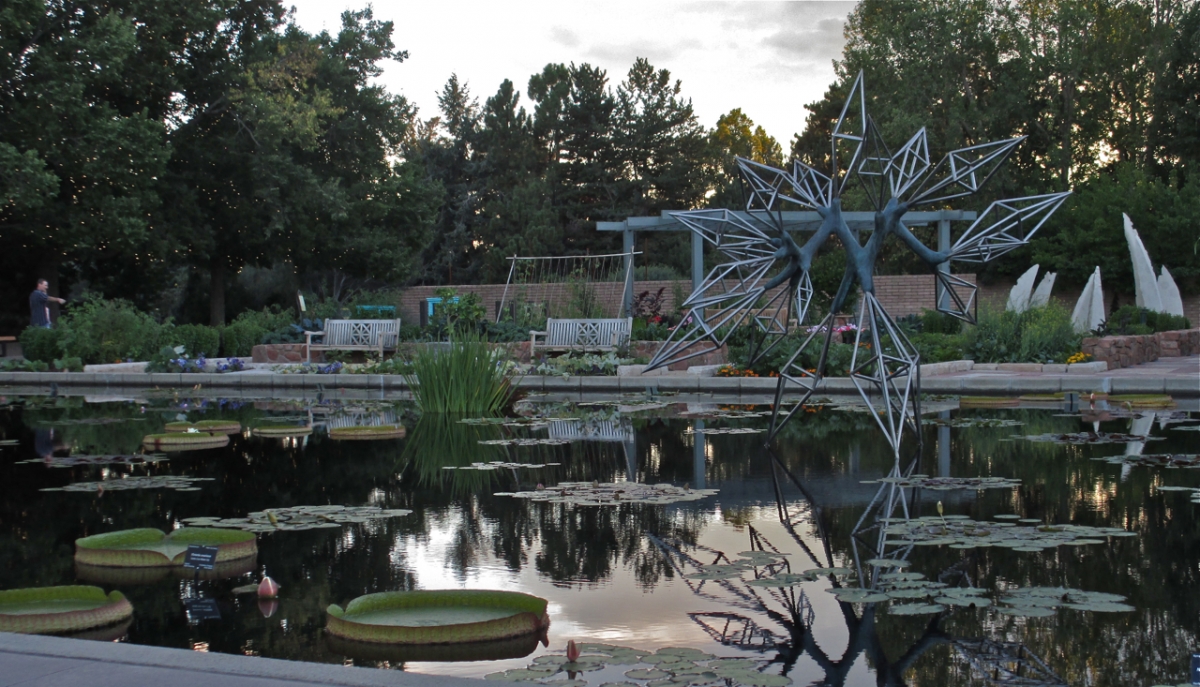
x: 672, y: 581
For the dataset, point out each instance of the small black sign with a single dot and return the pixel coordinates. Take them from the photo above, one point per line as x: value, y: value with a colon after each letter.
x: 202, y: 609
x: 1195, y: 673
x: 200, y: 557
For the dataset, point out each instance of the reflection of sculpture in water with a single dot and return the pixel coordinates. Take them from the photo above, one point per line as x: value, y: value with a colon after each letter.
x: 791, y: 612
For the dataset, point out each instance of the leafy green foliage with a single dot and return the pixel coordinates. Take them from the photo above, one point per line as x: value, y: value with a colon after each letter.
x: 196, y: 339
x: 41, y: 344
x: 1130, y: 319
x: 106, y: 331
x: 238, y: 338
x: 1038, y: 335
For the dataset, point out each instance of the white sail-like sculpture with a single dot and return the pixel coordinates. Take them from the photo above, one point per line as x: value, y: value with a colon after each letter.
x: 1144, y: 284
x: 1089, y: 309
x: 1168, y: 292
x: 1041, y: 295
x: 1019, y: 296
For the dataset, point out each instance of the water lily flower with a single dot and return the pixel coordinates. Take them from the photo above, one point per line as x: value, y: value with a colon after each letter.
x: 572, y: 651
x: 268, y: 588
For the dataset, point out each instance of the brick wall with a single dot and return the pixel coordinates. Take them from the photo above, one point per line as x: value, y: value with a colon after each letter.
x: 1125, y: 351
x: 900, y: 295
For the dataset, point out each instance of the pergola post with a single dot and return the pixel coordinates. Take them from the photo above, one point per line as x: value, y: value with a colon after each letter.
x: 627, y: 297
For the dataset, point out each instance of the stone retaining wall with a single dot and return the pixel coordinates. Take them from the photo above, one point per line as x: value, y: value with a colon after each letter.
x: 1126, y: 351
x: 281, y: 353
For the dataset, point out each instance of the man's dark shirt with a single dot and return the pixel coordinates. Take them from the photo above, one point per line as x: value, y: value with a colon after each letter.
x: 37, y: 308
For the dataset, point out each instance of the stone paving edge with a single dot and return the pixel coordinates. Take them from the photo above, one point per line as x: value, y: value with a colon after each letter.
x: 116, y: 655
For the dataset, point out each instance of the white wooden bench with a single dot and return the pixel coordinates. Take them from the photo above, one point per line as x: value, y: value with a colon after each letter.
x: 354, y: 335
x: 582, y: 335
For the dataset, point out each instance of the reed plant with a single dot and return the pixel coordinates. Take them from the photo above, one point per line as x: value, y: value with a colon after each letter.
x: 465, y: 377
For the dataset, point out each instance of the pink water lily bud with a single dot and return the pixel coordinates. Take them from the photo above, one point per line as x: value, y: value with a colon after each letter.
x: 268, y: 588
x: 572, y: 651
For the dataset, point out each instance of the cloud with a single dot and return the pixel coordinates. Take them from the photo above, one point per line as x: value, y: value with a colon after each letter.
x: 659, y: 53
x: 821, y: 41
x: 564, y: 36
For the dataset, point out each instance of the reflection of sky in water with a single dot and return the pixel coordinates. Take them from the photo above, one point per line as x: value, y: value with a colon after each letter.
x: 455, y: 538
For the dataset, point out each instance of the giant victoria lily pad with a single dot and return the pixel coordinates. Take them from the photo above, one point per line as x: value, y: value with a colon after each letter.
x: 176, y: 482
x: 150, y: 548
x: 367, y: 433
x: 207, y: 426
x: 282, y: 431
x: 51, y: 610
x: 438, y: 617
x: 1091, y: 438
x: 184, y: 441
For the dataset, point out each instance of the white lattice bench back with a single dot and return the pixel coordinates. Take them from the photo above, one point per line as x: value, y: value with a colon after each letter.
x: 582, y: 335
x: 355, y: 335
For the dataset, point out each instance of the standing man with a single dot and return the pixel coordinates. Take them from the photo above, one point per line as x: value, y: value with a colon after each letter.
x: 39, y: 311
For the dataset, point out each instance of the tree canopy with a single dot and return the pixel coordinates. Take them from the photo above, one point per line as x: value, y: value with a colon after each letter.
x: 155, y: 152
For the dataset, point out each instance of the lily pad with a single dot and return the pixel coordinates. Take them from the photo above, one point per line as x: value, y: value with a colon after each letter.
x: 75, y: 608
x: 614, y: 493
x: 184, y: 441
x: 150, y: 548
x: 437, y: 617
x: 126, y: 483
x: 646, y: 674
x: 206, y: 426
x: 914, y: 609
x: 367, y: 432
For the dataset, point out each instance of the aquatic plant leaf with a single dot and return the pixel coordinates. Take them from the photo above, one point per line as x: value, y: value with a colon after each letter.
x: 888, y: 563
x: 914, y: 609
x: 978, y: 602
x: 1027, y: 611
x: 136, y: 482
x: 1101, y: 607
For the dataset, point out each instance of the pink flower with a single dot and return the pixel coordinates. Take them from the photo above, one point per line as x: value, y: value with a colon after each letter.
x: 268, y: 588
x: 572, y: 651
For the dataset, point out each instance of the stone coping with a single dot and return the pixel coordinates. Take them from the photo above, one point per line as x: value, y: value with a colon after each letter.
x: 969, y: 383
x: 56, y: 661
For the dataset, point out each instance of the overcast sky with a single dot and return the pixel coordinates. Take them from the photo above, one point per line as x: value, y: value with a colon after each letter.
x: 770, y: 59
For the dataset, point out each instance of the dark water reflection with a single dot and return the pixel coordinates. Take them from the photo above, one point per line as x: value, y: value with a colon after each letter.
x: 605, y: 578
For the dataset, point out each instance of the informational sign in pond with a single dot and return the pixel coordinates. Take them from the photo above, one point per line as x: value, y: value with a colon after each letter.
x: 200, y: 557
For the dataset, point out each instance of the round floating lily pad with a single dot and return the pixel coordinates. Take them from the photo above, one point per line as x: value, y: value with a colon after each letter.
x: 1101, y: 607
x: 914, y: 609
x: 208, y: 426
x: 1027, y: 611
x: 646, y: 674
x: 963, y: 601
x: 888, y: 563
x: 274, y: 431
x: 184, y: 441
x: 367, y: 433
x: 437, y: 617
x: 47, y: 610
x: 1006, y: 516
x: 150, y: 548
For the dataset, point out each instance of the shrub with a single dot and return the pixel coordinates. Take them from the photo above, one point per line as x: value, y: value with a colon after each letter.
x: 586, y: 364
x: 41, y: 344
x: 103, y: 331
x: 934, y: 322
x: 1130, y: 319
x: 250, y: 328
x: 68, y: 365
x: 1038, y: 335
x: 465, y: 377
x: 18, y: 365
x: 196, y: 339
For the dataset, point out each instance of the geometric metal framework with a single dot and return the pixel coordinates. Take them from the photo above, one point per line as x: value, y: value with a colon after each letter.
x: 759, y: 255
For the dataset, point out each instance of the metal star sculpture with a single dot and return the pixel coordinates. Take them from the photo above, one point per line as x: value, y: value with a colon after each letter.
x: 760, y: 255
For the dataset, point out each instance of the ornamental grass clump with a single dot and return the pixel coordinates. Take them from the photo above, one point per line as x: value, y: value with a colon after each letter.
x: 465, y: 377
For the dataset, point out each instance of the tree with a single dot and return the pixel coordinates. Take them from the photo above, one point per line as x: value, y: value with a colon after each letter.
x: 1175, y: 136
x: 736, y: 135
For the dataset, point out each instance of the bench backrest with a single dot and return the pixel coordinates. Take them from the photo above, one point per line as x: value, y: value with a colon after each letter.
x: 361, y: 333
x: 598, y: 333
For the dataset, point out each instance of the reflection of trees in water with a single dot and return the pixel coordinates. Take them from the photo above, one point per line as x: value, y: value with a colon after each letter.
x: 565, y: 543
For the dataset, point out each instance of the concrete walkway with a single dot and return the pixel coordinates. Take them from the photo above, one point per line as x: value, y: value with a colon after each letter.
x: 35, y: 661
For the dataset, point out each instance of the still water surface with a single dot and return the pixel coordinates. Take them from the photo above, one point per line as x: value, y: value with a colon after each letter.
x: 616, y: 574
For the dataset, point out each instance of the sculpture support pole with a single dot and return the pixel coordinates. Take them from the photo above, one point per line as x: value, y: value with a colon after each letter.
x: 698, y: 265
x: 943, y: 237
